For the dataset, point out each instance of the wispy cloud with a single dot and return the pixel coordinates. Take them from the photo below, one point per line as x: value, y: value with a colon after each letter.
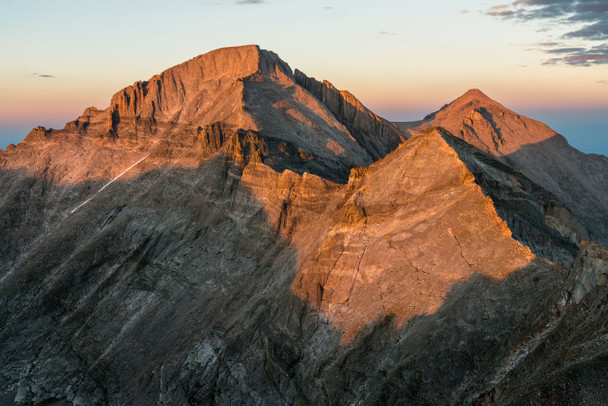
x: 603, y: 82
x: 501, y: 10
x: 597, y: 55
x: 547, y: 44
x: 42, y: 75
x: 591, y: 14
x: 464, y: 11
x: 249, y: 1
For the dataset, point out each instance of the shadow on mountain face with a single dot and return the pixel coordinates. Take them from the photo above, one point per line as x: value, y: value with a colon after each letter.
x: 149, y: 272
x: 311, y: 137
x: 172, y: 288
x: 579, y: 180
x: 458, y: 353
x: 535, y: 216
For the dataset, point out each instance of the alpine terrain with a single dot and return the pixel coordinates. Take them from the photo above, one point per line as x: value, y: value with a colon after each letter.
x: 232, y: 232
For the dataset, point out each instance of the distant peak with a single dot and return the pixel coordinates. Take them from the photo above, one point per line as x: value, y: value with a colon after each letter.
x: 474, y: 94
x: 487, y: 124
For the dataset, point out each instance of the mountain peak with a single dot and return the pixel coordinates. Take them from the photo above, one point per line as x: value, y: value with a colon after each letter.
x: 183, y: 93
x: 237, y: 62
x: 242, y: 94
x: 474, y: 94
x: 488, y: 125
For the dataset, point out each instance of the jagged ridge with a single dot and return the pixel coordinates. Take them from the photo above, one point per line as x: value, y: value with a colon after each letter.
x: 376, y: 135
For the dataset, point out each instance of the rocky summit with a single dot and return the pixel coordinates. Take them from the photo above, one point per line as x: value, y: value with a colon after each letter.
x: 233, y: 232
x: 579, y: 180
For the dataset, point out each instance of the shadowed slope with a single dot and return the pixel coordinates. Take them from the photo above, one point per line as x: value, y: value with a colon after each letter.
x: 376, y: 135
x: 143, y: 276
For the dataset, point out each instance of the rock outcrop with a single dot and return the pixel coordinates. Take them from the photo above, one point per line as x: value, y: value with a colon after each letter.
x: 409, y: 229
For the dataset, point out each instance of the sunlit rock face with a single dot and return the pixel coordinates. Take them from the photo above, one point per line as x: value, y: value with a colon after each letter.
x: 229, y: 232
x: 411, y: 227
x: 488, y: 125
x: 579, y: 180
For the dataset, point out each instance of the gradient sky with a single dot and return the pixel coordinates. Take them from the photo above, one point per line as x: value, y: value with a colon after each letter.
x: 547, y: 59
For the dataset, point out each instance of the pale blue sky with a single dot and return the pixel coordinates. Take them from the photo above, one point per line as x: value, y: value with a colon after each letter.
x: 403, y: 59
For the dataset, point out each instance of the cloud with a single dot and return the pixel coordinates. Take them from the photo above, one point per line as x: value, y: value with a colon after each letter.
x: 603, y: 82
x: 596, y: 31
x: 597, y: 55
x: 565, y: 50
x: 592, y: 13
x: 41, y: 75
x: 464, y: 11
x: 590, y: 17
x: 385, y: 34
x: 249, y: 1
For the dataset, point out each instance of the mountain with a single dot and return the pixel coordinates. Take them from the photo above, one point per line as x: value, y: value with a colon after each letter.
x: 579, y: 180
x: 231, y: 233
x: 242, y: 100
x: 202, y: 102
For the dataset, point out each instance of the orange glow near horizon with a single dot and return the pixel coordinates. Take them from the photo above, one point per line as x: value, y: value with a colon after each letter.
x: 384, y: 95
x: 388, y: 65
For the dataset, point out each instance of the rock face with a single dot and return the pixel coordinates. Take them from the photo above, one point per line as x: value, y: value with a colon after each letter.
x: 579, y: 180
x: 536, y: 217
x: 270, y: 243
x: 408, y: 230
x: 375, y: 134
x: 243, y: 88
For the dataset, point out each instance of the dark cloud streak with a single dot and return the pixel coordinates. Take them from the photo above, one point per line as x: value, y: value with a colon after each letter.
x: 597, y: 55
x: 593, y: 14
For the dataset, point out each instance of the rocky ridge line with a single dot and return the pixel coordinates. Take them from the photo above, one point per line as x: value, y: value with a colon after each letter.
x: 376, y: 135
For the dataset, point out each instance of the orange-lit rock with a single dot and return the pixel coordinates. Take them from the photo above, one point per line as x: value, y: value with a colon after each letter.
x: 579, y: 180
x: 411, y: 227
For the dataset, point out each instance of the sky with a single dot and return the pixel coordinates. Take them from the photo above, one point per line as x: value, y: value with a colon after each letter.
x: 546, y: 59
